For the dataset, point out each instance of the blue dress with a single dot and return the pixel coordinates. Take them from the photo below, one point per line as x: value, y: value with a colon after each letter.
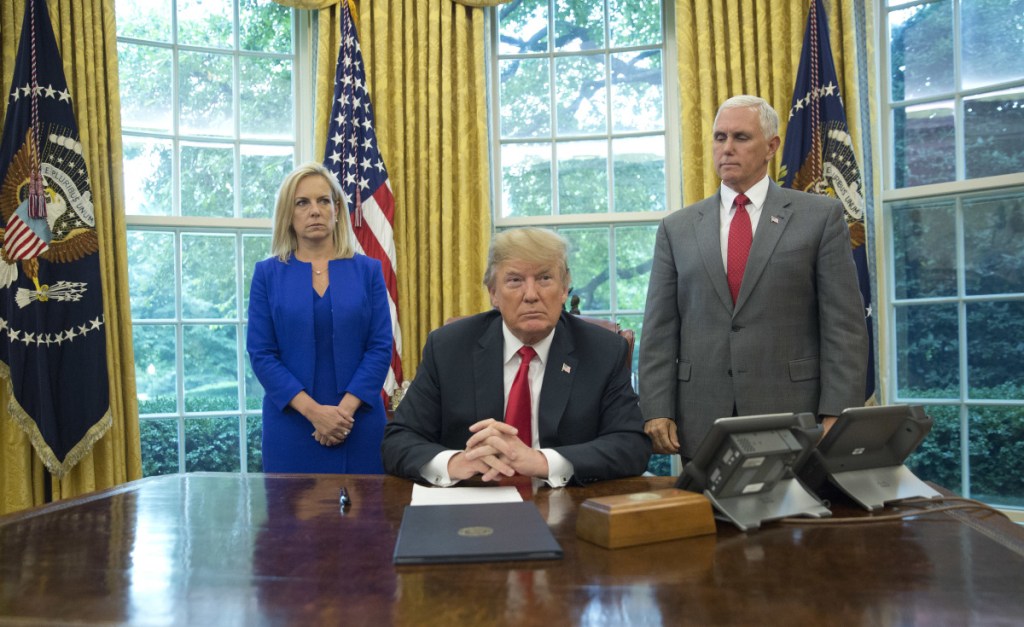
x: 326, y: 346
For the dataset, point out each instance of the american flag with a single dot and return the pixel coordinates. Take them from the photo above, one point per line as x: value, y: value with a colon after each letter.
x: 353, y: 155
x: 818, y: 154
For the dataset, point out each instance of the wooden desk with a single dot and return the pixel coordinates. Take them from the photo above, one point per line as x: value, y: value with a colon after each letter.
x: 211, y: 549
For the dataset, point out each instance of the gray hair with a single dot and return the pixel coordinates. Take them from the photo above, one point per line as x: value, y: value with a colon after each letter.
x: 530, y: 244
x: 766, y: 114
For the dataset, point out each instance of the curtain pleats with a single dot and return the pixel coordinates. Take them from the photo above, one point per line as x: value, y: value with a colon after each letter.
x: 731, y: 47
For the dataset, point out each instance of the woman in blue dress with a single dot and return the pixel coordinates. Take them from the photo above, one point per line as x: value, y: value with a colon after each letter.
x: 319, y: 337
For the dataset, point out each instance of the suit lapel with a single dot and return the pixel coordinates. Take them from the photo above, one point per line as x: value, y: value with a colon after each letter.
x: 488, y: 373
x: 775, y: 217
x: 559, y: 374
x: 709, y: 240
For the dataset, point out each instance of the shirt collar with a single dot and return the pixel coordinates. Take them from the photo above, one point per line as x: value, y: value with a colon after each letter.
x: 513, y: 344
x: 756, y: 194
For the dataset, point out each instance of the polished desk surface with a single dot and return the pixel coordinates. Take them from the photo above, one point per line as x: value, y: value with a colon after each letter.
x: 224, y: 549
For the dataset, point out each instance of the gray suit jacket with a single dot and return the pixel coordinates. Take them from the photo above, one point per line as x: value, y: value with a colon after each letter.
x: 796, y: 339
x: 588, y: 410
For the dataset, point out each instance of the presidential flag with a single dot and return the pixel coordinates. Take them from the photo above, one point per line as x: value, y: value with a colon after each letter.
x: 52, y: 339
x: 353, y: 155
x: 818, y: 154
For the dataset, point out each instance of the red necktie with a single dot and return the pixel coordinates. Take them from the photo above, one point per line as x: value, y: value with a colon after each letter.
x: 740, y: 237
x: 518, y: 411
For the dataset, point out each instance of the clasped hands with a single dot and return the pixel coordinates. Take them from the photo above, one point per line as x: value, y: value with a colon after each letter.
x: 333, y: 423
x: 495, y: 450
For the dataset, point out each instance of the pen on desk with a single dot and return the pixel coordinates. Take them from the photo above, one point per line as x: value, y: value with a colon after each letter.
x: 343, y: 498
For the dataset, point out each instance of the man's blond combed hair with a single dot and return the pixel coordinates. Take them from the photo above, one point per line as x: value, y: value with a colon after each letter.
x: 529, y: 244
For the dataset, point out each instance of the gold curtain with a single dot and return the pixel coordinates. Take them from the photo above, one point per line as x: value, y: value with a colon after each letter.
x: 731, y: 47
x: 85, y: 33
x: 425, y: 71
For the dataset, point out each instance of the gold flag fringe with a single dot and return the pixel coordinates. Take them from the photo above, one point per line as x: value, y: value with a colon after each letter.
x: 57, y: 468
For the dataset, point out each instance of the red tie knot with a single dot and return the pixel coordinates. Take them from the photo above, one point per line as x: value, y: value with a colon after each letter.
x: 527, y: 353
x: 741, y: 201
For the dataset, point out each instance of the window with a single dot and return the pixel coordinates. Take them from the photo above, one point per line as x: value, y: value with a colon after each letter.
x: 209, y: 112
x: 580, y: 141
x: 954, y: 218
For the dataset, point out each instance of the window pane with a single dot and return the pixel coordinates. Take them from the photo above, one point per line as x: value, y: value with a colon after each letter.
x: 927, y: 347
x: 634, y: 23
x: 206, y: 94
x: 525, y: 98
x: 264, y: 26
x: 254, y: 443
x: 997, y: 454
x: 581, y: 95
x: 208, y: 278
x: 523, y: 26
x: 145, y: 95
x: 159, y: 439
x: 924, y: 247
x: 639, y: 164
x: 207, y: 183
x: 995, y: 349
x: 150, y: 263
x: 633, y: 249
x: 583, y: 177
x: 144, y: 19
x: 994, y: 245
x: 263, y: 169
x: 265, y: 92
x: 212, y: 445
x: 921, y: 50
x: 924, y: 144
x: 210, y: 359
x: 156, y: 378
x: 588, y: 262
x: 938, y: 457
x: 579, y: 24
x: 206, y: 23
x: 254, y: 248
x: 147, y: 176
x: 994, y: 133
x: 637, y: 100
x: 526, y: 180
x: 992, y: 38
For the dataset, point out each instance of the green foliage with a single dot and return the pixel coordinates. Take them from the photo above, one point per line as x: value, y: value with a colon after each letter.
x: 211, y: 444
x: 995, y: 447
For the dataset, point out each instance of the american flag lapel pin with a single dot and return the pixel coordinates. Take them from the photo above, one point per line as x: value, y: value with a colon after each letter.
x: 775, y: 219
x: 566, y: 369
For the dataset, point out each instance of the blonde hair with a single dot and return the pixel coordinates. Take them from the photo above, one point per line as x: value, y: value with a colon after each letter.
x: 285, y: 241
x: 530, y: 244
x: 767, y: 115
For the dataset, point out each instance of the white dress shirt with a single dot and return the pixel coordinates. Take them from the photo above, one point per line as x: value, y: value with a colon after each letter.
x: 559, y: 468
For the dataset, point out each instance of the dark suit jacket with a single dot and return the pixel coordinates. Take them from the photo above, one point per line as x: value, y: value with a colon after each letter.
x: 588, y: 410
x: 795, y: 341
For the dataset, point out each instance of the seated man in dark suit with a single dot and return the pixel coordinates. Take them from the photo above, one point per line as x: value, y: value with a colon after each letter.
x: 569, y: 414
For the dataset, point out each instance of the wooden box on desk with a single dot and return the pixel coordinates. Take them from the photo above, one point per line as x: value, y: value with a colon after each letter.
x: 643, y: 517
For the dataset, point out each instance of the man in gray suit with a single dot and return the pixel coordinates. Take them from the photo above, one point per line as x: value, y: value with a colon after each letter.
x: 760, y: 316
x: 581, y: 421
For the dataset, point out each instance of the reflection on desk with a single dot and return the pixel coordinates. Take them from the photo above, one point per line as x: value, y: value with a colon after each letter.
x: 256, y: 549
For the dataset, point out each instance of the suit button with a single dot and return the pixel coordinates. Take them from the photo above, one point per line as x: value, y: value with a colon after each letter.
x: 730, y: 372
x: 736, y: 329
